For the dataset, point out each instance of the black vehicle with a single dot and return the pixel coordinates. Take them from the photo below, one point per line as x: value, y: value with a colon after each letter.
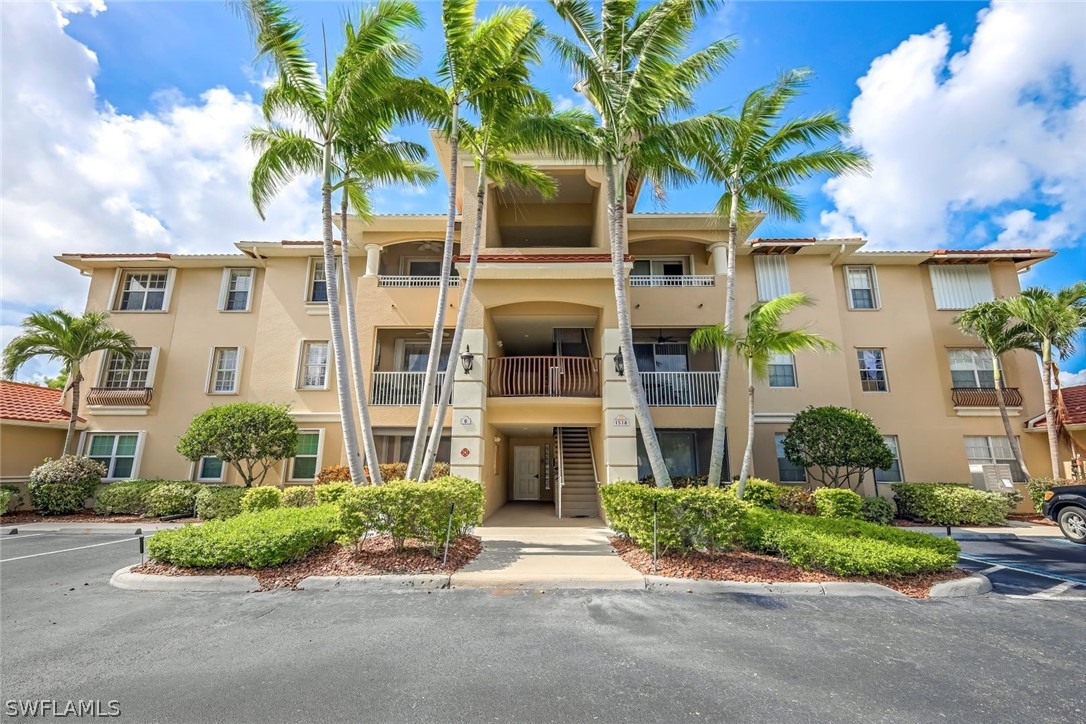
x: 1067, y: 506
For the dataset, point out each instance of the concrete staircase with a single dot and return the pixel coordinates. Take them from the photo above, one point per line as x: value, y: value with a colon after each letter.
x: 579, y: 488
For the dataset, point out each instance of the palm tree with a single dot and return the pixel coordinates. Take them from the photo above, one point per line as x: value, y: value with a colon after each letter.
x: 69, y: 339
x: 990, y: 323
x: 755, y: 158
x: 1054, y: 321
x: 764, y: 338
x: 635, y: 72
x: 359, y: 83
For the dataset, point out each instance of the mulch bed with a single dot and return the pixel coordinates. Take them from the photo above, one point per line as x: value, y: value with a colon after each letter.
x: 748, y: 567
x: 1035, y: 518
x: 375, y: 556
x: 28, y: 516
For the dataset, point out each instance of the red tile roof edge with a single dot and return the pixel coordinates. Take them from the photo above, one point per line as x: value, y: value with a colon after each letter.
x: 540, y: 258
x: 25, y: 402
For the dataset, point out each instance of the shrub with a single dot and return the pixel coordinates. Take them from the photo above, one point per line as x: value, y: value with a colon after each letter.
x: 847, y: 547
x: 838, y: 503
x: 391, y: 472
x: 252, y: 436
x: 1037, y: 488
x: 264, y: 497
x: 951, y: 504
x: 299, y: 496
x: 333, y: 474
x: 406, y: 509
x: 878, y: 510
x: 172, y: 499
x: 796, y: 500
x: 63, y: 486
x: 14, y: 499
x: 255, y: 540
x: 759, y: 493
x: 215, y: 502
x: 124, y: 497
x: 332, y: 492
x: 836, y: 445
x: 697, y: 518
x: 5, y: 500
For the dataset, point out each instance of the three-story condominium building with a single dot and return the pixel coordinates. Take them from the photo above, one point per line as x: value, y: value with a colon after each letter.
x: 540, y: 410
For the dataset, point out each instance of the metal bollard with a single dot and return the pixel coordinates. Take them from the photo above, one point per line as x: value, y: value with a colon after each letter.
x: 448, y: 534
x: 655, y: 503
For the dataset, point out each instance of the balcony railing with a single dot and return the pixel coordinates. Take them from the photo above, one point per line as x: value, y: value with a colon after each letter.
x: 695, y: 280
x: 119, y: 396
x: 544, y: 376
x: 402, y: 388
x: 406, y: 281
x: 984, y: 397
x: 680, y: 389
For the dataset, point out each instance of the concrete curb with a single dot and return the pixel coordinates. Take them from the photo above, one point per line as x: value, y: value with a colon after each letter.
x: 544, y: 583
x: 127, y: 580
x: 839, y: 589
x: 420, y: 582
x: 975, y: 585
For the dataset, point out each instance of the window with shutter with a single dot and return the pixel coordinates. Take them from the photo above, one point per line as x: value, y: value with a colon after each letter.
x: 771, y: 275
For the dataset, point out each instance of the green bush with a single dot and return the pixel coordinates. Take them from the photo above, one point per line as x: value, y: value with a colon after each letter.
x: 264, y: 497
x: 696, y: 518
x: 951, y: 504
x: 124, y: 497
x: 63, y: 486
x: 878, y: 510
x: 299, y: 496
x: 215, y: 502
x: 796, y: 500
x: 332, y: 492
x: 5, y: 500
x: 838, y: 503
x: 14, y: 499
x: 405, y: 509
x: 1037, y: 488
x: 172, y: 499
x: 847, y: 547
x: 255, y: 540
x: 759, y: 493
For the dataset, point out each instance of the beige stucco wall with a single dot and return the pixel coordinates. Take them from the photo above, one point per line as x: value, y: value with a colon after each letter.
x: 23, y: 448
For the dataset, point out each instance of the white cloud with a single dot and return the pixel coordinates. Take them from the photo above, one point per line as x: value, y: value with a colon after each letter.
x: 995, y: 129
x: 1071, y: 379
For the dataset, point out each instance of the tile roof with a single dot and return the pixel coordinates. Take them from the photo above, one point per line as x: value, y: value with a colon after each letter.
x: 539, y: 258
x: 31, y: 403
x: 1074, y: 402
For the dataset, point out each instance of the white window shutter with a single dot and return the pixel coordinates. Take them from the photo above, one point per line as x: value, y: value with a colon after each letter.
x: 961, y: 286
x: 771, y: 275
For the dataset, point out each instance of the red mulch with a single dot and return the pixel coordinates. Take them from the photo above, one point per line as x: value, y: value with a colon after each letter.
x: 748, y: 567
x: 1036, y: 518
x: 375, y: 556
x: 87, y: 516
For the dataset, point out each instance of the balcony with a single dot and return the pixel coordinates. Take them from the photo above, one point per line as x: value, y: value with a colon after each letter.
x: 402, y: 388
x: 402, y: 282
x: 680, y: 389
x: 688, y: 280
x: 543, y: 376
x: 119, y: 396
x: 984, y: 397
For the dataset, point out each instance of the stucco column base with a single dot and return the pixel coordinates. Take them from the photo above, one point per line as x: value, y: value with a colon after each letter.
x: 619, y: 421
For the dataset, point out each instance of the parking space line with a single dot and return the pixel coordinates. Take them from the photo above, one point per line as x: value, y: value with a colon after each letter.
x: 1054, y: 591
x: 18, y: 536
x: 1025, y: 569
x: 66, y: 550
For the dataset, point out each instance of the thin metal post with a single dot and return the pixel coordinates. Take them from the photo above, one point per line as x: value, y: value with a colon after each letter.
x: 448, y: 534
x: 655, y: 504
x: 141, y: 550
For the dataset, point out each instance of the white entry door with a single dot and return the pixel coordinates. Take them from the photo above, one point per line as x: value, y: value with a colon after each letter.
x: 526, y: 472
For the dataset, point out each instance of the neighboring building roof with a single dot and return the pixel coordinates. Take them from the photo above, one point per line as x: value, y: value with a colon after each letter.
x: 1074, y: 407
x: 22, y: 402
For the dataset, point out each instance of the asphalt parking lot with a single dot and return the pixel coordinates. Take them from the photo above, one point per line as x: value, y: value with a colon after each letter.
x: 1035, y: 568
x: 471, y: 656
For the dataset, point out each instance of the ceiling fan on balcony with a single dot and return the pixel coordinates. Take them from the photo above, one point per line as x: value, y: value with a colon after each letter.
x: 661, y: 339
x: 431, y: 247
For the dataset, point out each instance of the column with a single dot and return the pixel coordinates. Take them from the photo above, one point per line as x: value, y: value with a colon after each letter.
x: 373, y: 259
x: 619, y: 421
x: 718, y: 254
x: 469, y: 410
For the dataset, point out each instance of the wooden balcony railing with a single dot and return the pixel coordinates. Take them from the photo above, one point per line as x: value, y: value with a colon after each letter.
x: 680, y: 389
x: 402, y: 388
x: 543, y: 376
x: 984, y: 397
x: 119, y: 396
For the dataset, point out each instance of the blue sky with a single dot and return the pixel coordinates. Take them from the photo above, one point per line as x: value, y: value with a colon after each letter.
x: 973, y: 145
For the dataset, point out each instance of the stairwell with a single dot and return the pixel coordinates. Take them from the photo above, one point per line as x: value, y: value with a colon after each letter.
x: 579, y: 476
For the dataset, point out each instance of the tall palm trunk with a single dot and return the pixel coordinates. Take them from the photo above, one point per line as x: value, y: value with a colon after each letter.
x: 616, y: 208
x: 418, y: 446
x: 720, y: 414
x: 1050, y: 408
x: 77, y: 378
x: 343, y: 385
x: 458, y: 332
x: 1016, y: 446
x: 748, y: 454
x: 369, y: 448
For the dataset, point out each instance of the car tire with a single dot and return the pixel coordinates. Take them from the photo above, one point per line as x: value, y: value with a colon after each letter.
x: 1072, y: 520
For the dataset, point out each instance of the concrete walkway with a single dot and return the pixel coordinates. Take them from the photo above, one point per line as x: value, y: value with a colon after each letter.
x: 1017, y: 529
x: 88, y: 528
x: 526, y: 546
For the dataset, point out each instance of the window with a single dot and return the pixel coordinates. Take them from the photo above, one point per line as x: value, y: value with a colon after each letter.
x: 862, y: 293
x: 891, y: 474
x: 771, y: 275
x: 656, y: 272
x: 225, y: 363
x: 961, y: 286
x: 872, y: 370
x: 789, y: 472
x: 237, y: 290
x: 662, y: 356
x: 317, y: 289
x: 401, y: 448
x: 971, y: 368
x: 424, y: 267
x: 680, y: 451
x: 306, y: 460
x: 116, y: 451
x: 143, y: 291
x: 416, y: 353
x: 120, y: 374
x: 782, y: 370
x: 314, y: 372
x: 209, y: 469
x: 991, y: 450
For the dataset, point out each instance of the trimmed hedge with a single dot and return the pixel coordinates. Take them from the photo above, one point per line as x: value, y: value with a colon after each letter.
x: 878, y: 510
x: 263, y: 497
x: 128, y: 497
x: 5, y: 500
x: 333, y: 474
x: 701, y: 518
x: 215, y: 502
x: 254, y: 540
x: 172, y: 499
x: 1037, y: 488
x: 406, y: 509
x: 12, y: 501
x: 332, y: 492
x: 759, y: 493
x: 951, y: 504
x: 63, y: 486
x: 838, y: 503
x: 846, y: 547
x: 299, y: 496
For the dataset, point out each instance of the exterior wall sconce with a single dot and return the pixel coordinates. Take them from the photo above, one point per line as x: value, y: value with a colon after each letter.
x: 620, y: 367
x: 467, y: 360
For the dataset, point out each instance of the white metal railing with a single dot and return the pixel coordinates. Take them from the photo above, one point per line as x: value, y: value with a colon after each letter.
x: 405, y: 281
x: 692, y: 280
x: 561, y: 473
x: 402, y: 388
x: 680, y: 389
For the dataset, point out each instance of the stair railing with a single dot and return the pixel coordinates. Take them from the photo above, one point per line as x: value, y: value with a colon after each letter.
x: 561, y: 473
